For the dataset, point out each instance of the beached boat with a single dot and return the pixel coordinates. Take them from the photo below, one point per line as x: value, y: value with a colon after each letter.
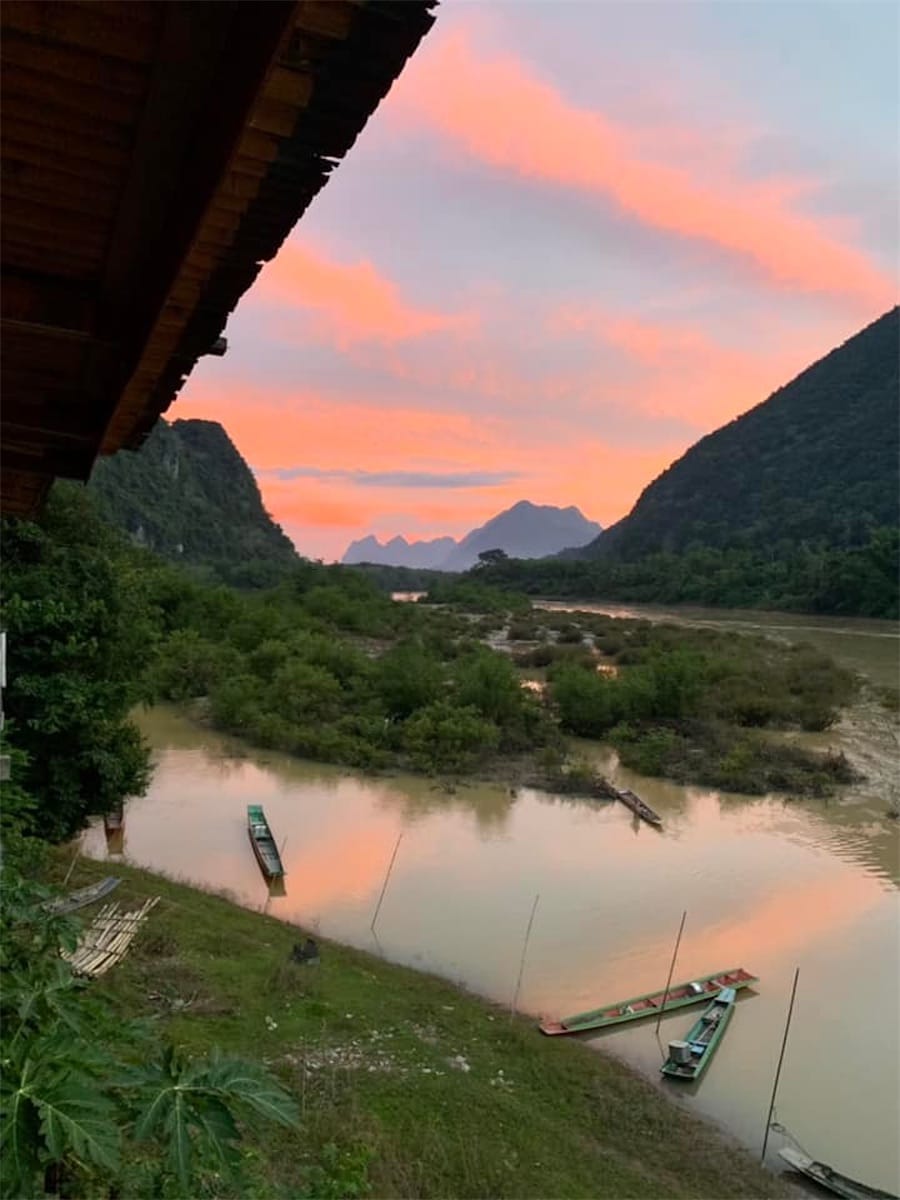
x: 82, y: 897
x: 688, y: 1059
x: 827, y: 1177
x: 114, y: 821
x: 637, y: 806
x: 263, y: 842
x: 680, y: 995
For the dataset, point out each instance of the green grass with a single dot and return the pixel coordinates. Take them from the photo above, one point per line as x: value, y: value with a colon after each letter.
x: 374, y: 1055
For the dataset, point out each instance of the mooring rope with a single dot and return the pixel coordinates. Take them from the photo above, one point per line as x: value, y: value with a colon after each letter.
x: 783, y: 1129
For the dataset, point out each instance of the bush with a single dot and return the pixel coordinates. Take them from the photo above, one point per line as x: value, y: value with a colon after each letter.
x: 443, y: 737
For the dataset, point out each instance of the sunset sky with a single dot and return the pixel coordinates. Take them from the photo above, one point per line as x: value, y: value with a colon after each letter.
x: 574, y: 238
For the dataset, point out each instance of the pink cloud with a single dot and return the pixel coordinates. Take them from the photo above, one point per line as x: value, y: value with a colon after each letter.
x: 498, y: 112
x: 279, y: 429
x: 351, y: 302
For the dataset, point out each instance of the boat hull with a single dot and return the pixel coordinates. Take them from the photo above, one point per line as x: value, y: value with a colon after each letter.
x: 680, y: 995
x: 834, y: 1181
x: 263, y: 843
x: 703, y: 1037
x: 638, y: 807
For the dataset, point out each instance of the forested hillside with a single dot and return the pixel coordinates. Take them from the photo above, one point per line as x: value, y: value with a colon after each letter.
x: 188, y: 495
x: 794, y: 505
x: 816, y: 463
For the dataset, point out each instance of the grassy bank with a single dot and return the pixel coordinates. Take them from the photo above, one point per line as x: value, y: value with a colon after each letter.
x: 407, y: 1086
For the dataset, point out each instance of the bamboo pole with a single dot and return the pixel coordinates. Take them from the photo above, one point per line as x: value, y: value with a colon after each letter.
x: 386, y: 878
x: 515, y: 999
x: 787, y: 1026
x: 75, y: 858
x: 662, y: 1007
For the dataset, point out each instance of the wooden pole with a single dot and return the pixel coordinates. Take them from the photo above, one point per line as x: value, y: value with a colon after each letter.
x: 386, y: 878
x: 72, y: 863
x: 515, y: 999
x: 662, y: 1007
x: 787, y: 1026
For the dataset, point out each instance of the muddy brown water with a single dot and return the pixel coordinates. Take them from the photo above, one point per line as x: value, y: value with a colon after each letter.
x: 767, y: 884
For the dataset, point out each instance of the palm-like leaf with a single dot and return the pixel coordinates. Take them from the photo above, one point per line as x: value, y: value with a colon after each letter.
x: 50, y: 1111
x: 188, y: 1105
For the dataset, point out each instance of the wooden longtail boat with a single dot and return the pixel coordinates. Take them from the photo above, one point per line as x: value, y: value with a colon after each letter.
x: 637, y: 805
x: 263, y: 842
x: 82, y: 897
x: 690, y: 1058
x: 114, y: 821
x: 827, y: 1177
x: 680, y: 995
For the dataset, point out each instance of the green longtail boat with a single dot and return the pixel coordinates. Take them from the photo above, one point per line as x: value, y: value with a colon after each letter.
x: 680, y: 995
x: 263, y: 843
x: 690, y: 1058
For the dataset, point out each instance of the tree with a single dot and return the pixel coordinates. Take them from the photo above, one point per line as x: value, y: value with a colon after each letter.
x: 79, y: 631
x: 490, y: 558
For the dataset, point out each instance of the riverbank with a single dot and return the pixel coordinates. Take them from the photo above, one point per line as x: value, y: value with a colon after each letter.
x: 408, y: 1086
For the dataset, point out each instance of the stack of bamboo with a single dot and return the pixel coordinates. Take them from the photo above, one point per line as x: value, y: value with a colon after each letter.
x: 107, y: 939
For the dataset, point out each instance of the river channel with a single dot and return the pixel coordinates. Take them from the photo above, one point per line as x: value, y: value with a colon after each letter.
x: 769, y: 885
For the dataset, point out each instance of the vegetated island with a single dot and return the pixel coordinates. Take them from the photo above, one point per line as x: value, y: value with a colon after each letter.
x: 326, y: 667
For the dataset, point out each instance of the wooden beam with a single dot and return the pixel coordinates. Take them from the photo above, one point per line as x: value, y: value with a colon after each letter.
x: 57, y: 306
x: 183, y: 180
x: 47, y: 460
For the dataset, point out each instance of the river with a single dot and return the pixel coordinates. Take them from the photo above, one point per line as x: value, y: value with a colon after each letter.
x: 767, y: 885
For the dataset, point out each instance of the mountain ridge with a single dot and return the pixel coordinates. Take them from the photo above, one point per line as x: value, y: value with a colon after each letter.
x: 524, y: 530
x: 815, y: 461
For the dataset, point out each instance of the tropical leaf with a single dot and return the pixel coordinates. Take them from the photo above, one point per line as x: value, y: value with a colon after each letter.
x: 188, y: 1105
x: 178, y: 1137
x: 19, y: 1136
x: 251, y: 1085
x: 78, y: 1119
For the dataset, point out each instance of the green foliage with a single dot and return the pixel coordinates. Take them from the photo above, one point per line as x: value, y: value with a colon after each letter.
x: 190, y: 497
x: 78, y: 626
x: 723, y: 756
x: 792, y: 506
x: 468, y: 593
x: 818, y: 461
x: 446, y: 738
x: 409, y: 678
x: 66, y: 1099
x: 809, y: 577
x: 190, y: 1106
x: 342, y: 1173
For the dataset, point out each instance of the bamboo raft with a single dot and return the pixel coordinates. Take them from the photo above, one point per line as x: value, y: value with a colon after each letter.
x: 107, y: 939
x: 82, y: 897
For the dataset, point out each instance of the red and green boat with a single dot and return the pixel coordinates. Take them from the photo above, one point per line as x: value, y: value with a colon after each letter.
x: 680, y: 995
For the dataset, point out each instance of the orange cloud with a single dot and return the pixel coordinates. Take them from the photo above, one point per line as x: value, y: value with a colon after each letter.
x: 500, y: 113
x: 554, y: 464
x: 351, y: 302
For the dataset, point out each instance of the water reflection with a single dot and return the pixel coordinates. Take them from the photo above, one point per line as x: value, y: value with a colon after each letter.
x: 766, y: 885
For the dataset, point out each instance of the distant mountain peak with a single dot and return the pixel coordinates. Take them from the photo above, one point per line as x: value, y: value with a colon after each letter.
x: 525, y: 530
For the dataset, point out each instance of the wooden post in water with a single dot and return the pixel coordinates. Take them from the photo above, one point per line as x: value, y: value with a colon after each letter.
x: 787, y: 1026
x: 386, y: 878
x: 662, y: 1007
x: 515, y: 999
